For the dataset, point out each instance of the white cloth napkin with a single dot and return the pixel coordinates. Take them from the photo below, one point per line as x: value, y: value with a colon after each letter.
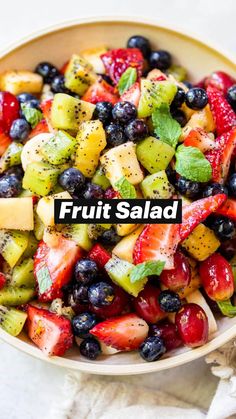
x: 94, y: 397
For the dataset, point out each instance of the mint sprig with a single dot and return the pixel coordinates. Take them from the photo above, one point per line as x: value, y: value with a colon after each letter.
x: 33, y: 116
x: 127, y: 79
x: 43, y: 279
x: 144, y: 269
x: 192, y: 164
x: 166, y: 127
x: 227, y: 308
x: 125, y: 188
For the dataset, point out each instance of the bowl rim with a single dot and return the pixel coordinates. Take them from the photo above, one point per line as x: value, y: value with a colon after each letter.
x: 135, y: 368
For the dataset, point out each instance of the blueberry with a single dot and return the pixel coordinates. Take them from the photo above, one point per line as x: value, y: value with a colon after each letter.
x: 90, y: 348
x: 178, y: 99
x: 103, y: 112
x: 188, y: 187
x: 160, y: 59
x: 16, y: 171
x: 19, y: 130
x: 72, y: 180
x: 152, y: 349
x: 224, y: 228
x: 25, y: 97
x: 85, y: 271
x: 188, y: 84
x: 101, y: 294
x: 33, y: 103
x: 115, y: 135
x: 58, y: 84
x: 169, y: 301
x: 196, y: 98
x: 232, y: 185
x: 171, y: 175
x: 214, y: 189
x: 80, y: 294
x: 140, y: 42
x: 179, y: 116
x: 124, y: 112
x: 47, y: 70
x: 231, y: 96
x: 83, y: 323
x: 93, y: 191
x: 10, y: 186
x: 136, y: 130
x: 109, y: 237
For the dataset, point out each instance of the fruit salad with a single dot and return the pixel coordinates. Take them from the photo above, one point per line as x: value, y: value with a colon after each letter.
x: 116, y: 123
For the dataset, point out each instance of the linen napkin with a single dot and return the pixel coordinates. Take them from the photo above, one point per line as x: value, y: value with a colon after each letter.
x: 95, y: 397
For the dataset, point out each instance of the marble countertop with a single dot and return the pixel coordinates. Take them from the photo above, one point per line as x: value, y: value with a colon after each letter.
x: 28, y: 386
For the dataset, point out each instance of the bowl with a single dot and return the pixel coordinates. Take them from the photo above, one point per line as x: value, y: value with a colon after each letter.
x: 56, y: 45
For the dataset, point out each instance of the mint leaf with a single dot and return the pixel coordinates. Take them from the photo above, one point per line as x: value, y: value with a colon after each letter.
x: 43, y: 279
x: 127, y: 79
x: 33, y: 116
x: 125, y: 189
x: 144, y: 269
x: 226, y: 308
x: 192, y: 164
x: 166, y: 127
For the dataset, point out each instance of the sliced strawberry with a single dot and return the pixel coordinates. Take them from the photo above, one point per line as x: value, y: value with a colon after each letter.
x: 197, y: 137
x: 50, y: 332
x: 5, y: 141
x: 220, y: 81
x: 220, y: 157
x: 125, y: 333
x: 132, y: 95
x: 55, y: 265
x: 100, y: 91
x: 157, y: 242
x: 46, y: 107
x: 99, y: 255
x: 198, y: 211
x: 228, y: 209
x: 223, y: 114
x: 9, y: 110
x: 117, y: 61
x: 40, y: 128
x: 110, y: 193
x: 3, y: 280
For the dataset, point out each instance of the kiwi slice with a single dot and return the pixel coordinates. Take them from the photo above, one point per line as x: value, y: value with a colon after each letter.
x: 157, y: 186
x: 11, y: 157
x: 15, y: 296
x: 12, y: 320
x: 100, y: 179
x: 31, y: 247
x: 153, y: 154
x: 23, y: 274
x: 79, y: 234
x: 13, y: 243
x: 79, y: 75
x: 59, y: 148
x: 153, y: 94
x: 40, y: 178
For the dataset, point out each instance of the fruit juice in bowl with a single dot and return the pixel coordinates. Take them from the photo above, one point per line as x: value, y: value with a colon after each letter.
x: 116, y: 123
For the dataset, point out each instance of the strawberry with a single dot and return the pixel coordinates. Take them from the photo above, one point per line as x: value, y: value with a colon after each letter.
x: 56, y: 266
x: 9, y: 110
x: 46, y: 107
x: 223, y: 114
x: 228, y: 209
x: 5, y: 141
x: 197, y: 137
x: 99, y: 255
x: 221, y: 156
x: 100, y: 91
x: 157, y: 242
x: 3, y: 280
x: 220, y: 81
x: 110, y: 193
x: 132, y: 95
x: 124, y: 333
x: 198, y: 211
x: 50, y: 332
x: 40, y: 128
x: 117, y: 61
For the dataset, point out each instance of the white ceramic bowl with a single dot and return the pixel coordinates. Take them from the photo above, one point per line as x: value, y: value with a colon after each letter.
x: 56, y: 45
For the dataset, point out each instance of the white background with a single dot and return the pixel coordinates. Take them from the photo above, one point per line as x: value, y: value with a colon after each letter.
x: 28, y: 386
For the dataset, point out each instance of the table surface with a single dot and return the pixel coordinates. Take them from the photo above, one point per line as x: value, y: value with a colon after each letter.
x: 26, y: 383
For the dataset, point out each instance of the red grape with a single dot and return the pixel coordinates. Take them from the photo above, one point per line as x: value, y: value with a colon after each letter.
x: 147, y: 305
x: 9, y: 110
x: 192, y: 324
x: 217, y: 277
x: 179, y: 277
x: 168, y: 332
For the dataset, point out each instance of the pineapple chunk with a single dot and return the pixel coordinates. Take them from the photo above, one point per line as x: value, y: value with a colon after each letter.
x: 202, y: 119
x: 201, y: 243
x: 91, y: 140
x: 16, y: 213
x: 51, y: 237
x: 17, y: 82
x: 124, y: 249
x: 196, y: 297
x: 93, y: 56
x: 45, y: 207
x: 122, y: 161
x: 124, y: 229
x: 31, y: 150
